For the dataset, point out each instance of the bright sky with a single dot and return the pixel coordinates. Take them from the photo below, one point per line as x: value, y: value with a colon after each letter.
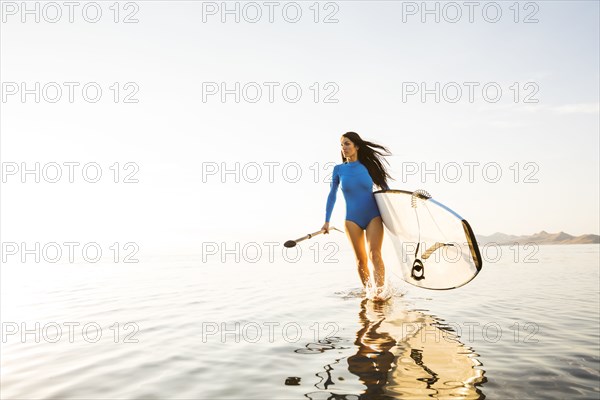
x: 546, y: 151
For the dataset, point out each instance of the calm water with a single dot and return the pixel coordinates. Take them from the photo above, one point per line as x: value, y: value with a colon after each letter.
x: 178, y: 328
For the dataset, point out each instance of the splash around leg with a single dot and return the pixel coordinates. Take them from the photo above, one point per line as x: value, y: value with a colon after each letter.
x: 379, y: 293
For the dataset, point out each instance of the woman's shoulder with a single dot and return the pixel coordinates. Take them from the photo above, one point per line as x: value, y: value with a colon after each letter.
x: 345, y: 164
x: 354, y: 166
x: 339, y: 167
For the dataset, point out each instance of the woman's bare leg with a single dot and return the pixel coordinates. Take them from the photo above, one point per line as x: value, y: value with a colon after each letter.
x: 374, y: 241
x: 357, y: 240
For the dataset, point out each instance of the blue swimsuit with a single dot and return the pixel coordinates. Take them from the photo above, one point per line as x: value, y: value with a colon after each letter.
x: 357, y: 187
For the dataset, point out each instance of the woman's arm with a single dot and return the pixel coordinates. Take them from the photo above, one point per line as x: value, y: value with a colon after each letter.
x: 335, y: 182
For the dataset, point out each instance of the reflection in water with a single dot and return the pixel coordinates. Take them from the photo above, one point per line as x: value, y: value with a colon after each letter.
x: 374, y: 358
x: 401, y: 353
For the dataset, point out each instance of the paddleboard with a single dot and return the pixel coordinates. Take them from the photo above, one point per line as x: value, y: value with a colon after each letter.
x: 435, y: 248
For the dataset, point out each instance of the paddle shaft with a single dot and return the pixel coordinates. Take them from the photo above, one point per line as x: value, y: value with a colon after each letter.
x: 291, y: 243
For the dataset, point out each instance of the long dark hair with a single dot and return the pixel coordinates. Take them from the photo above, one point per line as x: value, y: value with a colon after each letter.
x: 371, y: 158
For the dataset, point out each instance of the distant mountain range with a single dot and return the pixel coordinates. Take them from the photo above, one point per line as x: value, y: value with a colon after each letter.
x: 542, y: 237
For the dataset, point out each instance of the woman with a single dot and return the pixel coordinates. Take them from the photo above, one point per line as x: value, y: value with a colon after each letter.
x: 361, y: 169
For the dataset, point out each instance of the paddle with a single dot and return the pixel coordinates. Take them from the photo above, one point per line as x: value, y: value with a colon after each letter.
x: 292, y: 243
